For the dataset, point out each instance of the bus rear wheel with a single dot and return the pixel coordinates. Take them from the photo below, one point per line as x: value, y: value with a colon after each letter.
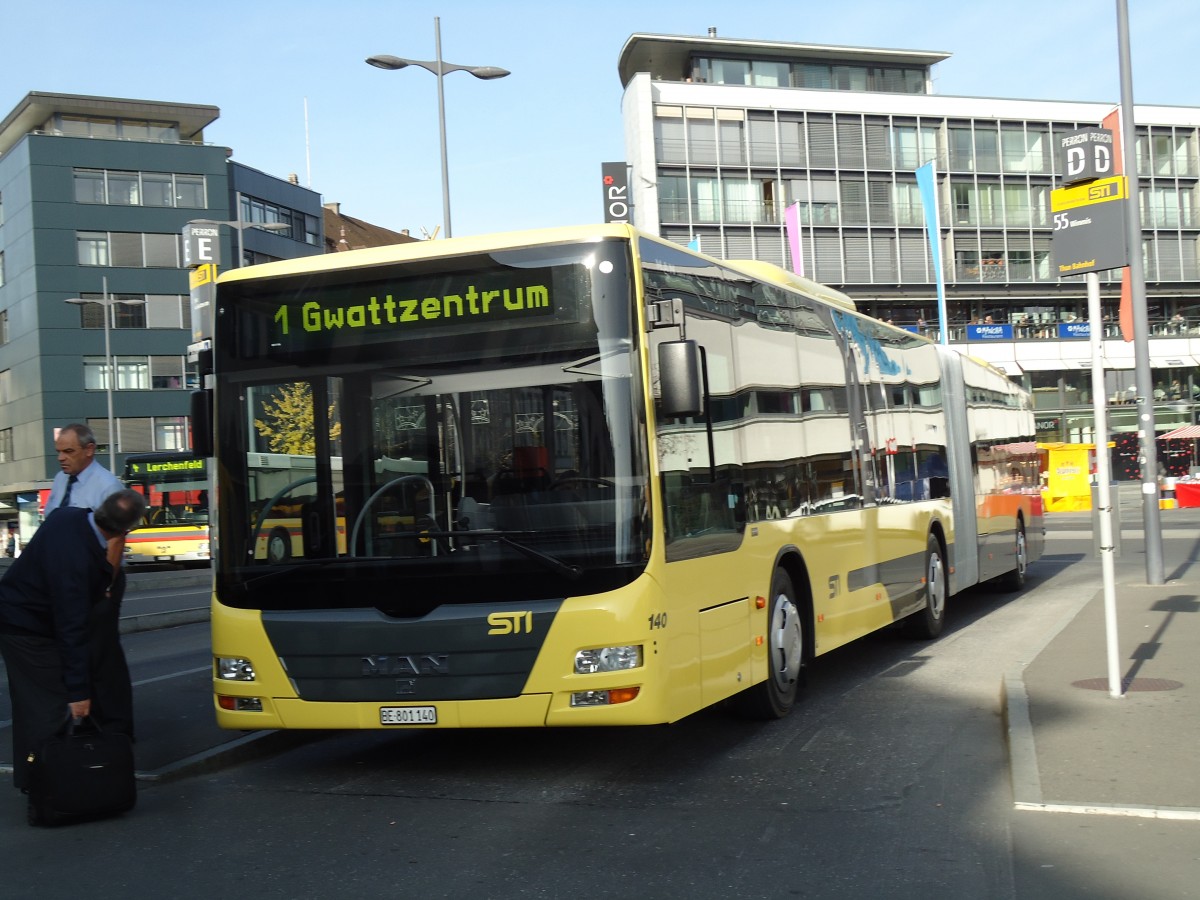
x: 1014, y: 579
x: 279, y: 546
x: 775, y: 697
x: 928, y: 622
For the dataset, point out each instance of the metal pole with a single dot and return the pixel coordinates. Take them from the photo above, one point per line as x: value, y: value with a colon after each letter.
x: 437, y: 33
x: 1147, y: 450
x: 238, y: 225
x: 109, y: 376
x: 1103, y: 483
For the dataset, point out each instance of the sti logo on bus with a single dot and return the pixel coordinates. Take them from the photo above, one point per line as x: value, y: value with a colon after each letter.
x: 511, y: 622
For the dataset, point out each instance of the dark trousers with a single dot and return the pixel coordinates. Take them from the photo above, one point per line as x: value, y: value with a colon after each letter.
x: 39, y: 697
x: 39, y: 700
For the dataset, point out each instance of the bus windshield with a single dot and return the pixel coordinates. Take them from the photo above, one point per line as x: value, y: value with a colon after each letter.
x: 471, y: 425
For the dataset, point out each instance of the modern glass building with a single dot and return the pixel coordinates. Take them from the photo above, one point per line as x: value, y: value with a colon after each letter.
x: 94, y: 195
x: 723, y: 135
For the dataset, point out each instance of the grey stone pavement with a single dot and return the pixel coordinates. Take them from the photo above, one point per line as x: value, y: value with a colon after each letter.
x: 1075, y: 747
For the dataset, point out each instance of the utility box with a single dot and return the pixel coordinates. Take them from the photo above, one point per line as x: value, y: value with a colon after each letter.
x: 1068, y: 474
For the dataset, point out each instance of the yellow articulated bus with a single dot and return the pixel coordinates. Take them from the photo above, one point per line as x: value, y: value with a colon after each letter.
x: 175, y: 527
x: 584, y: 476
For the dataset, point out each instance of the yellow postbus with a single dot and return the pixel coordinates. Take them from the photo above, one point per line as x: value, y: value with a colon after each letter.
x: 175, y: 527
x: 583, y: 476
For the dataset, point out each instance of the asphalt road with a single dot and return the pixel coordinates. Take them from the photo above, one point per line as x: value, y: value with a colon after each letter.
x: 889, y: 780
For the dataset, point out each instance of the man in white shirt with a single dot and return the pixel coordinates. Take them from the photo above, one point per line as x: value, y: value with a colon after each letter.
x: 83, y: 482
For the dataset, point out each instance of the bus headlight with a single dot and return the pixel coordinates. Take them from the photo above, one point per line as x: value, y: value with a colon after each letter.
x: 234, y: 668
x: 608, y: 659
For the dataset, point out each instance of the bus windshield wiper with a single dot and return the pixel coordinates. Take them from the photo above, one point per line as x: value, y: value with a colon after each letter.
x: 567, y: 570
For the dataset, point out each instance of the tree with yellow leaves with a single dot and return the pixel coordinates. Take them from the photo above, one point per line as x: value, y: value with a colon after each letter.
x: 287, y: 422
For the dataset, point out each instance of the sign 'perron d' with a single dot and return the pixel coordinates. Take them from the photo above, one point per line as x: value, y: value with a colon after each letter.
x: 1086, y: 155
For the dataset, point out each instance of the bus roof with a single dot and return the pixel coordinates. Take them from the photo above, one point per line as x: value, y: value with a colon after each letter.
x: 432, y: 249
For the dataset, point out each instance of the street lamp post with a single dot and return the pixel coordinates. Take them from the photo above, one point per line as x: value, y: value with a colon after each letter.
x: 439, y: 68
x: 239, y: 226
x: 110, y: 372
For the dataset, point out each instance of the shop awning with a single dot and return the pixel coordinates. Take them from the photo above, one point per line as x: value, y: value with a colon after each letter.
x: 1174, y: 361
x: 1186, y: 433
x: 1042, y: 365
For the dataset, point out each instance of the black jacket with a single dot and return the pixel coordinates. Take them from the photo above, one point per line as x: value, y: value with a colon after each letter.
x: 51, y: 588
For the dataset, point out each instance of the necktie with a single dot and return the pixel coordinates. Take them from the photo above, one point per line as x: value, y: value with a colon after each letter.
x: 66, y: 500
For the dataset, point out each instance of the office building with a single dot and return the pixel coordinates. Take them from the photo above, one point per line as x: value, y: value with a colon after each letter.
x: 723, y: 135
x: 94, y: 195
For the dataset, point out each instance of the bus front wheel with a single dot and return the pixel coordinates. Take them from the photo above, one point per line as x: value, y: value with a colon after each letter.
x: 775, y: 697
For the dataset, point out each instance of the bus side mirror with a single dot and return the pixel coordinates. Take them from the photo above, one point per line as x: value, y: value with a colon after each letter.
x: 681, y: 388
x: 201, y: 414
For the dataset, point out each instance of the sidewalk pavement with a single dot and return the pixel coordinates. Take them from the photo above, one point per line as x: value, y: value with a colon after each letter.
x: 149, y: 603
x: 1073, y: 747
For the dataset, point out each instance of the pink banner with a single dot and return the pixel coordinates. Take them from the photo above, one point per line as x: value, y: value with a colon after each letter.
x: 791, y: 221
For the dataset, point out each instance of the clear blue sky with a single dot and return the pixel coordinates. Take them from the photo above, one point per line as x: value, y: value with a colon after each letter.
x: 525, y: 151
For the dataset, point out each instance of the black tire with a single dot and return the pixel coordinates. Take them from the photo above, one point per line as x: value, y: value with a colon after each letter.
x: 927, y: 623
x: 279, y: 546
x: 1014, y: 579
x: 787, y: 654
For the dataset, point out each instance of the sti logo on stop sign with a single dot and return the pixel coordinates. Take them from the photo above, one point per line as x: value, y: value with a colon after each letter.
x: 1086, y: 155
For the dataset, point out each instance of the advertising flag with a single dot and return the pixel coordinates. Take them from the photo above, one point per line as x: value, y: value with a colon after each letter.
x: 926, y: 183
x: 791, y: 220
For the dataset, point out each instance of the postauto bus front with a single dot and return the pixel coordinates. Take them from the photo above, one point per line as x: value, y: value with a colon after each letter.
x: 472, y: 523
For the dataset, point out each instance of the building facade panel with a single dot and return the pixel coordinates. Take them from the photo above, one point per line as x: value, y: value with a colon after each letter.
x: 721, y: 162
x: 81, y: 214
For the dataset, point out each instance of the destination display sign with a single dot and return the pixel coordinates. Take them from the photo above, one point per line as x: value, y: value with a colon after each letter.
x: 1089, y: 227
x: 325, y: 316
x: 160, y: 466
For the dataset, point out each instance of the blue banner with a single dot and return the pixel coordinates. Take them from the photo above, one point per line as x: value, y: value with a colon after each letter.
x: 1074, y: 329
x: 926, y: 183
x: 989, y: 332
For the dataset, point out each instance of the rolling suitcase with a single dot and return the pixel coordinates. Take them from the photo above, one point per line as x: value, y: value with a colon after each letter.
x: 81, y: 773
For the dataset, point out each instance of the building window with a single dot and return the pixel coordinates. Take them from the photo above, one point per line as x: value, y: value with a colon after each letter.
x: 121, y: 188
x: 136, y: 373
x: 105, y: 127
x: 95, y: 373
x: 189, y: 192
x: 91, y: 248
x: 3, y: 327
x: 128, y: 249
x: 5, y: 381
x: 137, y: 311
x: 1, y: 268
x: 133, y: 373
x: 143, y: 434
x: 170, y: 433
x: 166, y: 373
x: 167, y: 311
x: 6, y: 445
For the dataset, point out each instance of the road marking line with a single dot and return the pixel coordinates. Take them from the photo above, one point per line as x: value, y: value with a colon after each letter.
x: 207, y: 668
x: 1180, y: 813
